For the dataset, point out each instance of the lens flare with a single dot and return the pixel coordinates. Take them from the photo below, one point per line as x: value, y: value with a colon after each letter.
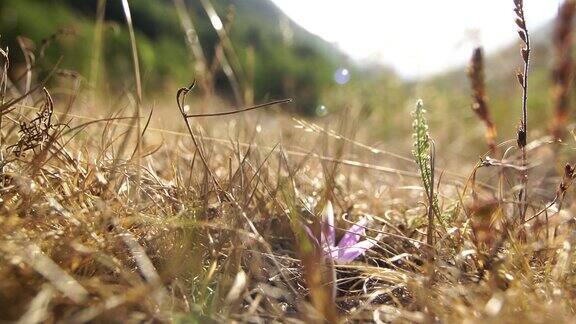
x: 342, y: 76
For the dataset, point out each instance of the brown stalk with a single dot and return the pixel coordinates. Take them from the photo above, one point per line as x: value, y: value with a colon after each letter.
x: 562, y: 74
x: 480, y: 101
x: 523, y: 80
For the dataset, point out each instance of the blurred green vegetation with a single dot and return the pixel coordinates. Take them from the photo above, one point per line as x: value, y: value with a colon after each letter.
x: 280, y: 59
x: 287, y: 60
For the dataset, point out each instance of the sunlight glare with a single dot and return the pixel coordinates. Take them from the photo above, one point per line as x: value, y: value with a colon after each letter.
x: 416, y: 37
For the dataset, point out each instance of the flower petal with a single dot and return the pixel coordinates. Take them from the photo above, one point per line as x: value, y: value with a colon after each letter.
x: 328, y: 235
x: 349, y: 254
x: 354, y: 234
x: 331, y: 252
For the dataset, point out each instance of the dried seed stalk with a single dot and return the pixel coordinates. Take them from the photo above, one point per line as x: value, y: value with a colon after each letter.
x: 480, y: 105
x: 523, y: 79
x: 562, y: 73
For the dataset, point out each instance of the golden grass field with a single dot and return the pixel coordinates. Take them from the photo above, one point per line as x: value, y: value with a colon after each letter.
x: 120, y: 209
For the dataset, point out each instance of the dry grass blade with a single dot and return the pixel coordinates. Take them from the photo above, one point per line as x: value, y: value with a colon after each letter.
x: 237, y: 111
x: 3, y: 85
x: 60, y: 279
x: 138, y: 81
x: 240, y: 282
x: 146, y: 266
x: 38, y: 311
x: 27, y: 47
x: 135, y: 59
x: 6, y: 106
x: 200, y: 61
x: 225, y: 52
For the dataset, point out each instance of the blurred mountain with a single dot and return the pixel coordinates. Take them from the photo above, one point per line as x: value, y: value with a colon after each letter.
x: 275, y: 56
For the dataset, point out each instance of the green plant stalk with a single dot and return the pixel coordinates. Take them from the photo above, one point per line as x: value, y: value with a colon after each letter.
x: 423, y: 160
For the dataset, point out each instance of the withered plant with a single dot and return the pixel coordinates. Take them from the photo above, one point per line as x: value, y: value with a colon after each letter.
x: 563, y: 71
x: 522, y: 134
x: 480, y: 99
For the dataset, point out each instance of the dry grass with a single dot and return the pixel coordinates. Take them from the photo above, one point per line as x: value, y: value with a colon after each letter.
x: 196, y: 219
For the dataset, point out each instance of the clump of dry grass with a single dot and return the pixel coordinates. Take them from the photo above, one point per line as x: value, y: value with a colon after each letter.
x: 201, y: 226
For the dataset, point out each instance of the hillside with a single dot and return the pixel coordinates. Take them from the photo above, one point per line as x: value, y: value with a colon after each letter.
x: 273, y: 56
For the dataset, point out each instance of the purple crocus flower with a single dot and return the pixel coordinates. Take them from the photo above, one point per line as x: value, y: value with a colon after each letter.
x: 350, y: 246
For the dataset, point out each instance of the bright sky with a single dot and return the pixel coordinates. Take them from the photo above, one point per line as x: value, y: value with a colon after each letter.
x: 416, y: 37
